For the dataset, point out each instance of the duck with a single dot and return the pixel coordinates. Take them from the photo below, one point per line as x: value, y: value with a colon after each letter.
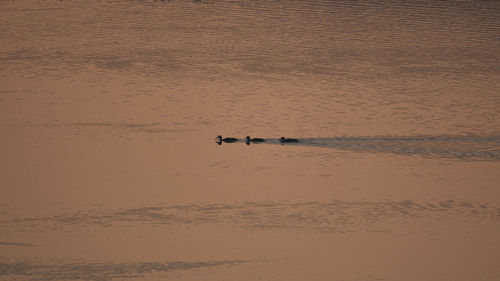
x: 248, y: 140
x: 219, y: 140
x: 283, y: 140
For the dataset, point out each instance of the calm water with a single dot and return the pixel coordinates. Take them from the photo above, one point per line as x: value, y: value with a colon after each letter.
x: 109, y: 168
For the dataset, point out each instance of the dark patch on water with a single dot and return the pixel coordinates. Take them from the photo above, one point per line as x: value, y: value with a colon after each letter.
x: 16, y: 244
x: 101, y: 271
x: 333, y: 216
x: 138, y: 127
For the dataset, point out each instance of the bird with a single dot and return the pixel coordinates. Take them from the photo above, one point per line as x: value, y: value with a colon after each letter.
x: 219, y: 140
x: 248, y: 140
x: 283, y: 140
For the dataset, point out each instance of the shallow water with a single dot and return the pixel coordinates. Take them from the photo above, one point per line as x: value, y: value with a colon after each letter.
x: 110, y: 170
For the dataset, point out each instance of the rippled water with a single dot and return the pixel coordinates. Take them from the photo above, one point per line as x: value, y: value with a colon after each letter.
x: 110, y: 171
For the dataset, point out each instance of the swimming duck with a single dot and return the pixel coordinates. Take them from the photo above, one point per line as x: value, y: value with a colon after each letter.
x: 248, y: 140
x: 219, y: 140
x: 283, y: 140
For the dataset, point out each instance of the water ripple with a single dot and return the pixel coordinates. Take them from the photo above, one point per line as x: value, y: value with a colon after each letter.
x: 100, y: 271
x: 334, y: 216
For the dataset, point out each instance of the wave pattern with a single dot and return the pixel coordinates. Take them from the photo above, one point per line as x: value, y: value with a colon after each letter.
x: 86, y: 271
x: 335, y: 216
x: 427, y: 67
x: 255, y: 37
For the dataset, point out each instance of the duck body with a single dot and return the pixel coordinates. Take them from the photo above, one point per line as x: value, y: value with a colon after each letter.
x: 284, y: 140
x: 220, y: 140
x: 248, y: 140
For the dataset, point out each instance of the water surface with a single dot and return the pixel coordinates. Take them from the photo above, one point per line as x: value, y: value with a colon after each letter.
x: 109, y: 110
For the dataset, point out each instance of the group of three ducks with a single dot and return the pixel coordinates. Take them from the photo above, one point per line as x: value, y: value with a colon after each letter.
x: 249, y: 140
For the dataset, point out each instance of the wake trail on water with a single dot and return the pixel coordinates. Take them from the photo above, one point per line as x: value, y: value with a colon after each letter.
x: 468, y: 147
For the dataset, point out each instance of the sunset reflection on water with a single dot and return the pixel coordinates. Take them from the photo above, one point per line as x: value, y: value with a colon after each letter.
x: 109, y: 112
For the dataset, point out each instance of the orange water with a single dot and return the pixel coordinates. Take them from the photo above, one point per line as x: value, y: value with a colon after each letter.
x: 109, y: 168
